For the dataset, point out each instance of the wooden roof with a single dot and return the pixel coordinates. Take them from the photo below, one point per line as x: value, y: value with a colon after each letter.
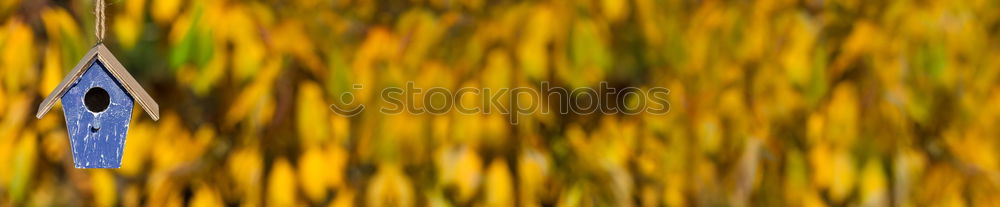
x: 101, y: 53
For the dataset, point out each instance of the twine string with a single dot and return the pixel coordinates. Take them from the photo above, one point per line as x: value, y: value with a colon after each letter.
x: 99, y: 27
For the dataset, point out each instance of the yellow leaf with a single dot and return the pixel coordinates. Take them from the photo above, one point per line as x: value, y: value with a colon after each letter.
x: 178, y: 29
x: 245, y: 167
x: 345, y: 198
x: 281, y: 184
x: 290, y: 37
x: 842, y: 115
x: 62, y: 27
x: 532, y: 174
x: 614, y: 10
x: 105, y: 193
x: 336, y: 163
x: 843, y: 172
x: 7, y: 6
x: 137, y: 148
x: 206, y: 196
x: 709, y: 134
x: 204, y: 136
x: 340, y: 128
x: 134, y: 8
x: 863, y: 38
x: 532, y: 52
x: 127, y: 29
x: 496, y: 76
x: 797, y: 56
x: 164, y: 11
x: 248, y: 48
x: 499, y: 184
x: 647, y: 16
x: 425, y: 30
x: 256, y: 96
x: 18, y: 56
x: 131, y: 195
x: 820, y: 164
x: 466, y: 128
x: 11, y: 128
x: 496, y: 129
x: 390, y: 187
x: 973, y: 147
x: 162, y: 191
x: 51, y: 70
x: 796, y: 179
x: 3, y: 98
x: 462, y: 168
x: 379, y: 44
x: 472, y: 5
x: 874, y: 189
x: 55, y: 146
x: 312, y: 173
x: 815, y: 127
x: 312, y: 114
x: 23, y: 166
x: 208, y: 76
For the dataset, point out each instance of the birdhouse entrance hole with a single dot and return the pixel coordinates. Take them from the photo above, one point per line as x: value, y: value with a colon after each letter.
x: 96, y: 99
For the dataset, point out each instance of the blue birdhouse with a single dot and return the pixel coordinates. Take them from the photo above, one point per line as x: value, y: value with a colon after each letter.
x: 97, y: 98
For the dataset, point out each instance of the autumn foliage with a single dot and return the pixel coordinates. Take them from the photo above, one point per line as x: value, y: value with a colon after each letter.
x: 773, y: 103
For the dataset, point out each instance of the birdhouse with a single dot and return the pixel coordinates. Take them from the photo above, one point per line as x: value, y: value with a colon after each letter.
x: 97, y: 98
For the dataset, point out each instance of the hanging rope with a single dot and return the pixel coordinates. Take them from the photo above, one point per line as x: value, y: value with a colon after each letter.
x: 99, y: 27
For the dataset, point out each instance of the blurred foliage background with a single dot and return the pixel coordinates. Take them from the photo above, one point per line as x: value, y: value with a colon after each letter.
x: 773, y: 102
